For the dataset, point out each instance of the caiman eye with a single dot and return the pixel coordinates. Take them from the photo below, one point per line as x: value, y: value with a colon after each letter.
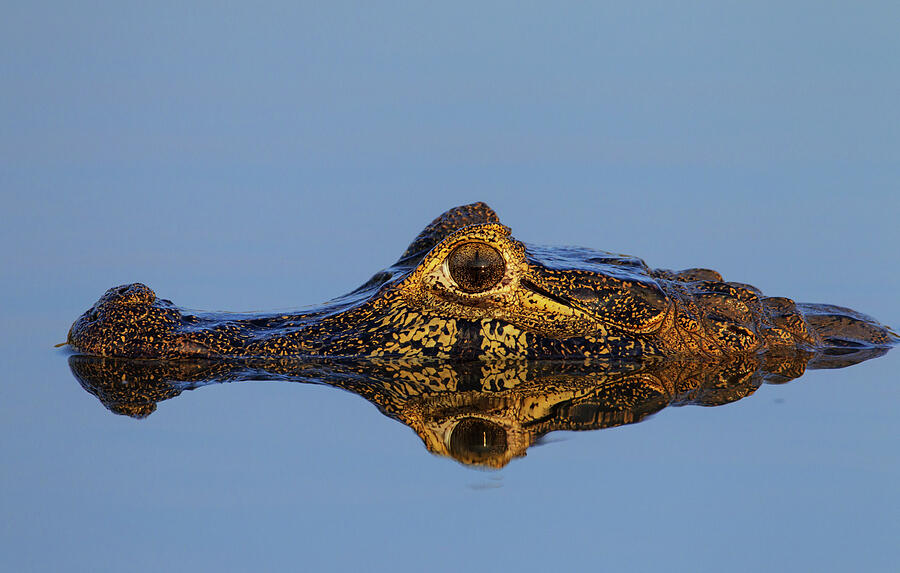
x: 476, y: 267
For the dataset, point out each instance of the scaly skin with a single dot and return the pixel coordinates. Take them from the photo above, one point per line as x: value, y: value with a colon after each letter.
x: 480, y: 413
x: 549, y: 303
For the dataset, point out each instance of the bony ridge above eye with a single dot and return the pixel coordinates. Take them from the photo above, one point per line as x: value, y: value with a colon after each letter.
x: 476, y: 267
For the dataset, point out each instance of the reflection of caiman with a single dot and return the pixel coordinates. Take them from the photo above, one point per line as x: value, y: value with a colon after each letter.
x: 481, y: 413
x: 466, y: 289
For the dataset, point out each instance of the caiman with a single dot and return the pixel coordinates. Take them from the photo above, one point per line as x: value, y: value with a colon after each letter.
x: 465, y: 289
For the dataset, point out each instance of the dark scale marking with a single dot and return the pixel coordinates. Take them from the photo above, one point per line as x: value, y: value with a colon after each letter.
x: 529, y: 301
x: 468, y: 340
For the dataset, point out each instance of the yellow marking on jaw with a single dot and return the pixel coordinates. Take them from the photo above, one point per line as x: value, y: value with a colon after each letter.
x: 419, y: 332
x: 504, y: 341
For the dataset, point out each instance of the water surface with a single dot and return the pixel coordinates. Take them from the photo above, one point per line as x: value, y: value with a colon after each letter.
x: 274, y: 156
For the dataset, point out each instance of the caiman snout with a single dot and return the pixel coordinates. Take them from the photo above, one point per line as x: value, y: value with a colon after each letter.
x: 128, y: 320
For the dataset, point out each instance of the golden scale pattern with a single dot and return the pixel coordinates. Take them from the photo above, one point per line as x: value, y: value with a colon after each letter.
x: 551, y: 303
x: 455, y: 407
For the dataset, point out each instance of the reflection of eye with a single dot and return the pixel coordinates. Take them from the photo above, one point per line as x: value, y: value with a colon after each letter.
x: 476, y: 267
x: 477, y: 440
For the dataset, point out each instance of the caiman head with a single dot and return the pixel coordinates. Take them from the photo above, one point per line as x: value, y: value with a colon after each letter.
x: 467, y: 289
x: 464, y: 289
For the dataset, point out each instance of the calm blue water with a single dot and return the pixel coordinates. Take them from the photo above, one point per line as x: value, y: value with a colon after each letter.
x: 270, y: 157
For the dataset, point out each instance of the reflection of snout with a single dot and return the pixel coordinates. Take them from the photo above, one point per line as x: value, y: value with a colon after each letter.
x: 128, y: 387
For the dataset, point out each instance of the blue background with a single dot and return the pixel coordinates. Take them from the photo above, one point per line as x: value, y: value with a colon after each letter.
x: 243, y: 157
